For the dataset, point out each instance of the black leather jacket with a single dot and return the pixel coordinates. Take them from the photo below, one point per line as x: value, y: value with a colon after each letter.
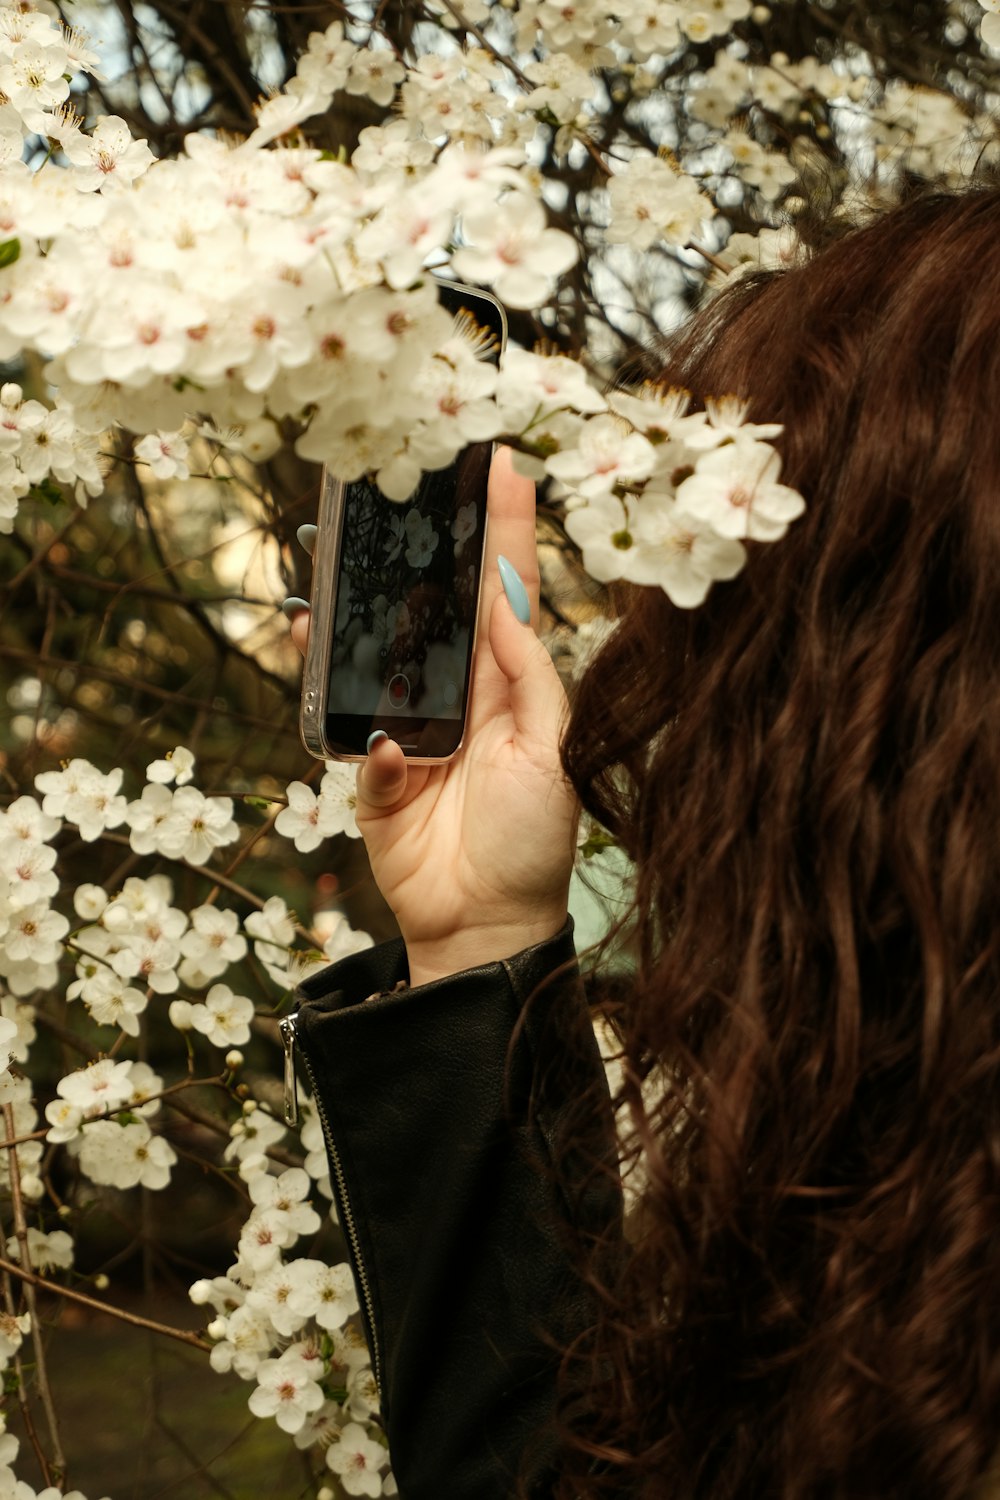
x: 465, y: 1177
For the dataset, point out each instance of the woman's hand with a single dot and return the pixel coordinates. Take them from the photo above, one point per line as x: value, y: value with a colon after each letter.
x: 474, y: 856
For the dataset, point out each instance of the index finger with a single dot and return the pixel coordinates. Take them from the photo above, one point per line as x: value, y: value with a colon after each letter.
x: 510, y: 507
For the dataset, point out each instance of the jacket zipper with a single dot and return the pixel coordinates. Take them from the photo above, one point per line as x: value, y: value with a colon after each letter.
x: 287, y: 1027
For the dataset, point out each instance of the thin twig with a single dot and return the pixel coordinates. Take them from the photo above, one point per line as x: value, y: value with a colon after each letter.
x: 137, y: 589
x: 203, y: 1471
x: 487, y: 45
x: 181, y: 1335
x: 218, y: 1127
x: 104, y: 674
x: 713, y: 260
x: 41, y: 1365
x: 217, y: 878
x: 38, y: 557
x: 22, y: 1389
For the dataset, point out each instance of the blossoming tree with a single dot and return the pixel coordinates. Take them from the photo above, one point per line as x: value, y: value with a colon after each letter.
x: 203, y: 296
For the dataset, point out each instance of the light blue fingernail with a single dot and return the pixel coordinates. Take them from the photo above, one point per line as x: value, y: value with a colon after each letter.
x: 307, y: 538
x: 517, y: 594
x: 292, y: 605
x: 374, y: 738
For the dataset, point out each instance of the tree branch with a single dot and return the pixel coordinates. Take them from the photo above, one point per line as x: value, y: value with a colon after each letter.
x: 180, y: 1335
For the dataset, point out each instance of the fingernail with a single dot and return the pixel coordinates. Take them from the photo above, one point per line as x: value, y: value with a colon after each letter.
x: 374, y: 739
x: 307, y: 538
x: 293, y: 605
x: 517, y: 594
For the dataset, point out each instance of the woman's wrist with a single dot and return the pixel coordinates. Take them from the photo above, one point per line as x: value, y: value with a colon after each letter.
x: 474, y: 946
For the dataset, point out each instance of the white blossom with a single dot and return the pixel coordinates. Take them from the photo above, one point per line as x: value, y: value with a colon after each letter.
x: 34, y: 936
x: 12, y: 1331
x: 608, y: 453
x: 197, y: 826
x: 285, y: 1392
x: 300, y: 821
x: 113, y: 1002
x: 677, y: 552
x: 224, y: 1017
x: 51, y: 1251
x: 244, y: 1339
x: 125, y: 1156
x: 89, y: 901
x: 272, y: 1293
x: 285, y: 1196
x: 339, y: 938
x: 108, y: 157
x: 166, y: 453
x: 650, y: 202
x: 514, y: 251
x: 326, y: 1293
x: 734, y: 489
x: 104, y: 1085
x: 253, y: 1135
x: 357, y: 1460
x: 64, y: 1120
x: 211, y: 943
x: 83, y: 795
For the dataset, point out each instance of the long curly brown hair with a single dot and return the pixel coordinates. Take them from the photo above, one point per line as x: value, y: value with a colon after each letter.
x: 806, y: 771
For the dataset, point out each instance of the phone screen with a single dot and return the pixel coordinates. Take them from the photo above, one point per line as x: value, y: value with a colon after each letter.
x: 404, y: 597
x: 407, y: 595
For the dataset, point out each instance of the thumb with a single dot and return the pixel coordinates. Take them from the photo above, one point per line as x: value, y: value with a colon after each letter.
x: 537, y: 697
x: 382, y: 777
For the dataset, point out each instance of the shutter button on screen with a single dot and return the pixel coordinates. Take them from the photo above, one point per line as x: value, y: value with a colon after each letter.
x: 398, y: 690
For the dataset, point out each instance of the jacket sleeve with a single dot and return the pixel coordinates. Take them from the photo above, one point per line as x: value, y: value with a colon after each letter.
x: 469, y: 1132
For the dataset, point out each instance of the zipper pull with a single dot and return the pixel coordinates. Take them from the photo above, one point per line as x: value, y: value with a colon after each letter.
x: 287, y: 1029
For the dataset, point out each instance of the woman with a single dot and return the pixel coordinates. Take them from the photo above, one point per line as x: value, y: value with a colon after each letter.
x: 806, y: 772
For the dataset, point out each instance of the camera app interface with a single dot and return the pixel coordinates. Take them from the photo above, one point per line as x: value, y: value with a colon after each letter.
x: 407, y: 594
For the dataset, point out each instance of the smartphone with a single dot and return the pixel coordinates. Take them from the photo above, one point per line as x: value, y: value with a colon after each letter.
x: 395, y: 597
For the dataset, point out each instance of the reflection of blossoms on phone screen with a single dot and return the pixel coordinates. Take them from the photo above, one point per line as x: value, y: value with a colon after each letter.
x: 406, y: 599
x: 421, y: 538
x: 464, y: 525
x: 395, y: 538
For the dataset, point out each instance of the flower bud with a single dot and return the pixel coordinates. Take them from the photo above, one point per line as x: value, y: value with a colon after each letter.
x: 101, y: 1282
x: 200, y: 1292
x: 89, y: 902
x: 180, y: 1014
x: 234, y: 1059
x: 217, y: 1329
x: 253, y: 1166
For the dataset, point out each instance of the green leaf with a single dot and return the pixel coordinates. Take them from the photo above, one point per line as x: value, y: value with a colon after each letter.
x: 597, y: 841
x: 46, y: 489
x: 10, y: 251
